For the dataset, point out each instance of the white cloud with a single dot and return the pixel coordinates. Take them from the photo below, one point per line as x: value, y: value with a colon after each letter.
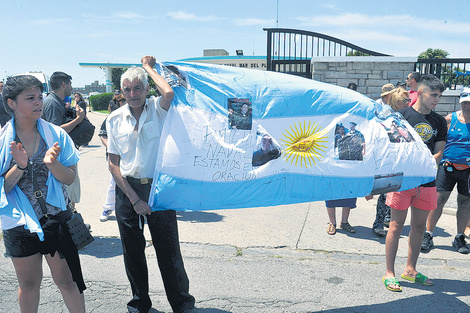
x: 118, y: 17
x: 388, y: 22
x: 102, y: 34
x: 180, y: 15
x: 129, y: 15
x: 253, y: 21
x: 401, y: 35
x: 184, y: 16
x: 51, y: 21
x: 373, y: 36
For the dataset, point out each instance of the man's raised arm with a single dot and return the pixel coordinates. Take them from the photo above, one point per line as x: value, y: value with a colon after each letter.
x: 148, y: 62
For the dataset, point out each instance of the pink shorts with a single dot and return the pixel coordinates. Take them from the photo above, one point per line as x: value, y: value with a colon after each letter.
x: 424, y: 198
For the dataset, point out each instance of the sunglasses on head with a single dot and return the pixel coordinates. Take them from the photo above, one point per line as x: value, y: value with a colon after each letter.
x: 406, y: 100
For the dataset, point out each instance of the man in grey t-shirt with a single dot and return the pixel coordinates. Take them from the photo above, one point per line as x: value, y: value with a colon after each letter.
x: 54, y: 112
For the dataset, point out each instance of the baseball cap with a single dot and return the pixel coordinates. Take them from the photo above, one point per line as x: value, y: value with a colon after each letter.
x: 465, y: 95
x: 386, y: 89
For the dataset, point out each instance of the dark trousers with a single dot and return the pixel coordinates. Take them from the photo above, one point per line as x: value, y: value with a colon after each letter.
x: 164, y: 232
x: 383, y: 211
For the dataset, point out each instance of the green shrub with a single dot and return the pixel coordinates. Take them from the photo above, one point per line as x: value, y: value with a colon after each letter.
x: 100, y: 102
x: 153, y: 92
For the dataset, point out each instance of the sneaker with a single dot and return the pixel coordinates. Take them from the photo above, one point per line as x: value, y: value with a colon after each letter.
x: 104, y: 217
x: 460, y: 245
x: 427, y: 242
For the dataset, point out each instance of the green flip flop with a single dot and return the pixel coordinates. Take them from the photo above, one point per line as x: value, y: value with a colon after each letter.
x: 391, y: 281
x: 420, y: 279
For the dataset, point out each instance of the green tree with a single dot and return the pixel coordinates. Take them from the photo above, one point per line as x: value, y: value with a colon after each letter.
x: 356, y: 53
x: 433, y: 54
x: 116, y: 74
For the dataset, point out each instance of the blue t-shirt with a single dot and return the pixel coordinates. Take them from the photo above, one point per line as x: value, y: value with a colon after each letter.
x: 457, y: 148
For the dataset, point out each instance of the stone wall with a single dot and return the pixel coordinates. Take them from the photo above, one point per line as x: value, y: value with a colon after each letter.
x: 371, y: 73
x: 448, y: 103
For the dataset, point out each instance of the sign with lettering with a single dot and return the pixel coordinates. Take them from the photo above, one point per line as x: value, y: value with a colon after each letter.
x: 237, y: 137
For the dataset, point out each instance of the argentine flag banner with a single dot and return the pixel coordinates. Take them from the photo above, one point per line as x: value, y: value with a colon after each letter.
x: 241, y: 138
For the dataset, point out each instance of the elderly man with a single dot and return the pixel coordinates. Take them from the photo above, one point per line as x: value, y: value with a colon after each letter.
x: 454, y: 169
x: 133, y: 137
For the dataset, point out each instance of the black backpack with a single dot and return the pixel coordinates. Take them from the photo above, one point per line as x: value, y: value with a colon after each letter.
x: 83, y: 132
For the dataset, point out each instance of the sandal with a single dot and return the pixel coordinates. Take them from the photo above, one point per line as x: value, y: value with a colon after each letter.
x: 331, y: 230
x: 419, y: 278
x: 347, y: 227
x: 391, y: 281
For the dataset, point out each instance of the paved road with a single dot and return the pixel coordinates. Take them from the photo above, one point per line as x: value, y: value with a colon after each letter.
x: 277, y: 259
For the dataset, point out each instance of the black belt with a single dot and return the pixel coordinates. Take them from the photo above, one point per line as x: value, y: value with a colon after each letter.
x: 142, y: 181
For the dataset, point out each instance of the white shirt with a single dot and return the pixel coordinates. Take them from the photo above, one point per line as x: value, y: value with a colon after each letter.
x: 380, y: 101
x: 138, y: 148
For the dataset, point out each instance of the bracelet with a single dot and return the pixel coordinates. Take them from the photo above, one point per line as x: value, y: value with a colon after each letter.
x: 133, y: 204
x: 21, y: 168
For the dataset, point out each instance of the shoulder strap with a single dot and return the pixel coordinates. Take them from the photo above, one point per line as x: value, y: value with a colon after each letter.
x: 36, y: 190
x: 453, y: 120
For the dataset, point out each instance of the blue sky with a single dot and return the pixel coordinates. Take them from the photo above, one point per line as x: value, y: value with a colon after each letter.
x: 58, y: 35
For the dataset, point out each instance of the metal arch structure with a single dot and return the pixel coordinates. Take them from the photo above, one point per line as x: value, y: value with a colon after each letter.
x: 291, y: 50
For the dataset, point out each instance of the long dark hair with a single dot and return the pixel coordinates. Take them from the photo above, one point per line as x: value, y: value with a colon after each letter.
x: 80, y: 96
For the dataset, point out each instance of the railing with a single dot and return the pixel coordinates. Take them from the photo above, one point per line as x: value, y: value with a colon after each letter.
x: 453, y: 72
x: 291, y: 50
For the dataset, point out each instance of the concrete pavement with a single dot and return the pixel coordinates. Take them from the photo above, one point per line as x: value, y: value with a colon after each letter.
x: 276, y: 259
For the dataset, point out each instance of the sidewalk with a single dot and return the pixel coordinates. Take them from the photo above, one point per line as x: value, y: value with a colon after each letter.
x: 276, y: 259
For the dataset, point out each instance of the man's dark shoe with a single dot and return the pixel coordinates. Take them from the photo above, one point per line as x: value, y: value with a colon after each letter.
x: 427, y: 242
x: 379, y: 232
x: 387, y: 221
x: 460, y: 245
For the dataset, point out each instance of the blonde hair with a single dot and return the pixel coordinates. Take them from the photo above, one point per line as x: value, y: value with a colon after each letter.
x: 396, y: 98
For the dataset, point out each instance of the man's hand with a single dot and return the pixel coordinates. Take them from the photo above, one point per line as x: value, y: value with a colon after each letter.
x: 148, y: 61
x: 142, y: 208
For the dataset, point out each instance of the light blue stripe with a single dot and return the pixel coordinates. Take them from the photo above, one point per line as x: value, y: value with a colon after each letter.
x: 180, y: 194
x: 281, y: 95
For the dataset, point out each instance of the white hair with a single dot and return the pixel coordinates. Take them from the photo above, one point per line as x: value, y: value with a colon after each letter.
x: 133, y: 73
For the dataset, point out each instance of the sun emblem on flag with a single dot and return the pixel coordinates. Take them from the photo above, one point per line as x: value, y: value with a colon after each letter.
x: 304, y: 143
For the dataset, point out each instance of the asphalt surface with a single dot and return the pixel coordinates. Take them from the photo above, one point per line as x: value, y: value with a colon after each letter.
x: 276, y: 259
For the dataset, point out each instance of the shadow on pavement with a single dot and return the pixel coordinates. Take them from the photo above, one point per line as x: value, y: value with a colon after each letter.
x: 209, y: 310
x: 366, y: 233
x: 199, y: 217
x: 103, y: 247
x: 444, y: 297
x: 196, y: 310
